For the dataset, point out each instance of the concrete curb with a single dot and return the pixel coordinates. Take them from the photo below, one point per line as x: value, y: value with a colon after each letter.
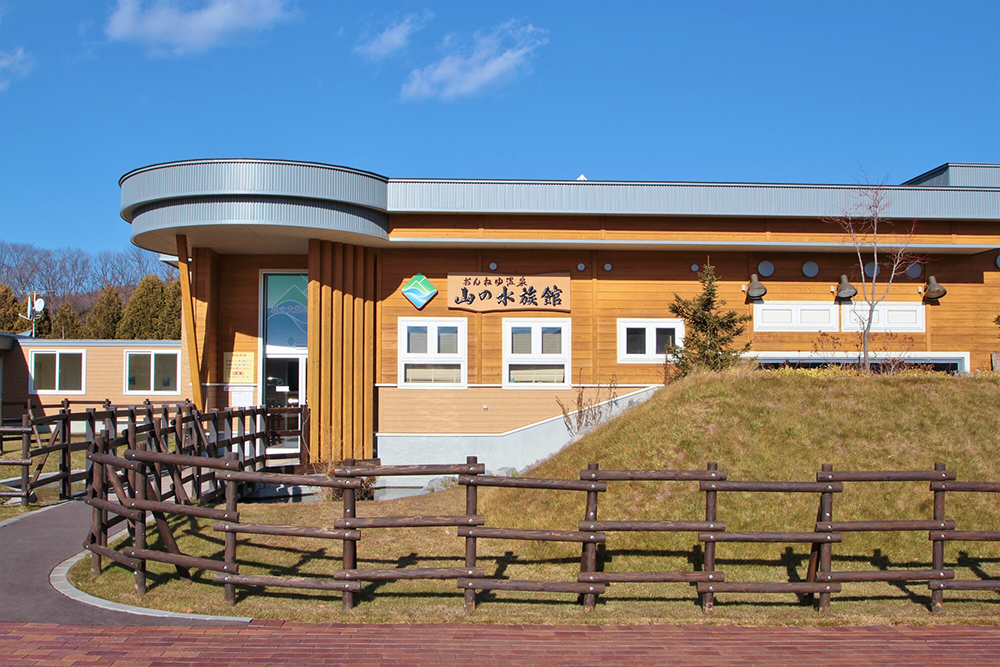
x: 61, y: 583
x: 11, y: 520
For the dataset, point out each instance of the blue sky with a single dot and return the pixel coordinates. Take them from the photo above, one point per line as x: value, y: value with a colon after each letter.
x: 676, y: 91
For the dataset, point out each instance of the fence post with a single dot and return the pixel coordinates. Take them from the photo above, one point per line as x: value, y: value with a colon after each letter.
x: 588, y: 560
x: 711, y: 499
x: 471, y: 508
x: 825, y: 549
x: 230, y: 549
x: 140, y: 523
x: 98, y: 490
x: 350, y: 546
x: 937, y: 595
x: 65, y: 463
x: 26, y: 456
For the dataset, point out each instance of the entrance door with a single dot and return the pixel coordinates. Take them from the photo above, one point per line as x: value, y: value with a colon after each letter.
x: 285, y: 387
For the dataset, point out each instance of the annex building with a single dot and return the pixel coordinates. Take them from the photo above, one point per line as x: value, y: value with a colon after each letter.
x: 426, y: 319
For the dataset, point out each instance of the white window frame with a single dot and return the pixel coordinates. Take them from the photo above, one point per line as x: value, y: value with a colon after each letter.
x: 650, y: 325
x: 152, y: 365
x: 58, y: 353
x: 850, y: 324
x: 796, y: 325
x: 461, y: 357
x: 565, y: 357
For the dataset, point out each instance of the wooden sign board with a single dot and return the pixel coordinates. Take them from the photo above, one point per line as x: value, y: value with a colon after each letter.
x: 239, y: 369
x: 484, y: 293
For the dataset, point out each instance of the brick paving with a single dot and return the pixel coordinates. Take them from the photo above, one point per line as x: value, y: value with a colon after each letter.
x: 281, y: 643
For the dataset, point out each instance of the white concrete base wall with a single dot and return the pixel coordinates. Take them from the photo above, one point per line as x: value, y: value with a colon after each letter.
x: 518, y: 448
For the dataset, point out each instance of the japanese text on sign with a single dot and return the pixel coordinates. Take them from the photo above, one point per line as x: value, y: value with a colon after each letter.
x: 508, y: 292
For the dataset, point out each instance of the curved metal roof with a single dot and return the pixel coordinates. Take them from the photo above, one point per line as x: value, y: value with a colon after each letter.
x: 275, y: 206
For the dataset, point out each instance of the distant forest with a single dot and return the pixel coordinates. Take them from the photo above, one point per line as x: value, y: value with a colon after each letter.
x: 127, y: 294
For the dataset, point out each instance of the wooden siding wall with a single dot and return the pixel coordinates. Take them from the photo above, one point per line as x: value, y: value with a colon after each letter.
x: 226, y: 291
x: 105, y: 378
x: 641, y: 285
x: 341, y: 374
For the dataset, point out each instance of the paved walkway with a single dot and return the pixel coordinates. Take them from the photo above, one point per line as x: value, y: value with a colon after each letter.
x: 39, y: 626
x: 30, y: 548
x: 276, y: 644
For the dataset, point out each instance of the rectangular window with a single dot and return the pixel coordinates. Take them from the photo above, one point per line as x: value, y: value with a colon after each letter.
x: 57, y: 372
x: 536, y: 352
x: 151, y: 372
x: 432, y: 353
x: 645, y: 340
x: 779, y: 316
x: 888, y: 317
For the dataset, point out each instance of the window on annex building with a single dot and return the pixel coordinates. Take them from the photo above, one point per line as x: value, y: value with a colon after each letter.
x: 433, y: 352
x: 645, y: 340
x: 57, y: 372
x: 151, y: 372
x: 536, y: 352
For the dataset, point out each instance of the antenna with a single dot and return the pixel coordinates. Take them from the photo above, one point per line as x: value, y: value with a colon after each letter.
x: 34, y: 311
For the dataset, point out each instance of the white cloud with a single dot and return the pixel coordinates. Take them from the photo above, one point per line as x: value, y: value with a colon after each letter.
x: 14, y: 65
x: 492, y: 58
x: 394, y: 38
x: 166, y: 29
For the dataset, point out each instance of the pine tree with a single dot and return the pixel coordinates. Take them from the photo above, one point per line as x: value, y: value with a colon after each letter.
x: 43, y: 324
x: 67, y: 323
x: 103, y: 319
x: 169, y: 326
x: 708, y: 332
x: 9, y: 308
x: 142, y: 312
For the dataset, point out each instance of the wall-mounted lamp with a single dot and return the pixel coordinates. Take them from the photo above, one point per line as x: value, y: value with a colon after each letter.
x: 756, y: 289
x: 934, y: 289
x: 845, y: 290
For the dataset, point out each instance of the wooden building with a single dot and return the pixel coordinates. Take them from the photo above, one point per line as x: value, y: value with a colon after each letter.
x: 427, y: 319
x: 43, y: 372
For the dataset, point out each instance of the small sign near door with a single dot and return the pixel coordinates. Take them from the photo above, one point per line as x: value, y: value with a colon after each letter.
x: 238, y: 369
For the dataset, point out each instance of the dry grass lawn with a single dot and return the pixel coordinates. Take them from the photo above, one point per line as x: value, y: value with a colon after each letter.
x: 758, y: 425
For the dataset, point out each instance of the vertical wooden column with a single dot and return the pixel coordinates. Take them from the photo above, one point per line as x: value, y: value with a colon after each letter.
x: 65, y: 464
x: 347, y: 373
x: 230, y: 546
x: 368, y: 428
x: 357, y: 443
x: 937, y: 558
x: 471, y: 504
x: 187, y: 317
x: 825, y: 549
x: 336, y: 422
x: 313, y: 314
x: 711, y: 499
x: 325, y: 361
x: 206, y: 293
x: 588, y: 560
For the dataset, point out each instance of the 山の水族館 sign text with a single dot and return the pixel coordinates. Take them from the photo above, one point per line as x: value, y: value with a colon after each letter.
x: 509, y: 292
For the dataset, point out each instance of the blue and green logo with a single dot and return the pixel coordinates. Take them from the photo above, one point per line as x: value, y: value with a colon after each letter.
x: 419, y: 291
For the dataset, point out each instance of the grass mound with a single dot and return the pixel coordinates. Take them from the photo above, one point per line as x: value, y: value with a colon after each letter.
x: 779, y: 425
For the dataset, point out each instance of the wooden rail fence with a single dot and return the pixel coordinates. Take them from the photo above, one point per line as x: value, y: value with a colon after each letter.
x: 139, y: 475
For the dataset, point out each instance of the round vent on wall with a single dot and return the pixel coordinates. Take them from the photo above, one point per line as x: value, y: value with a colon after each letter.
x: 810, y: 269
x: 765, y: 268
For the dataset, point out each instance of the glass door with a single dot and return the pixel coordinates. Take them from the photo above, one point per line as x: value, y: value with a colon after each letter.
x: 285, y: 387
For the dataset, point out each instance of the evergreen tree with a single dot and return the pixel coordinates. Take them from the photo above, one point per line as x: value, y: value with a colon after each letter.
x: 43, y: 324
x: 103, y: 319
x: 9, y: 322
x: 708, y: 332
x: 141, y: 319
x: 67, y: 323
x: 169, y: 326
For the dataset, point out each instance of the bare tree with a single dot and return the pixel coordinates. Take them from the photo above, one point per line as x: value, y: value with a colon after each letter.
x: 882, y: 249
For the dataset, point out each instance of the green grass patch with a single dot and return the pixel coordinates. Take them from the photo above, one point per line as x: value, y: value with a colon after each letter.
x: 758, y: 425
